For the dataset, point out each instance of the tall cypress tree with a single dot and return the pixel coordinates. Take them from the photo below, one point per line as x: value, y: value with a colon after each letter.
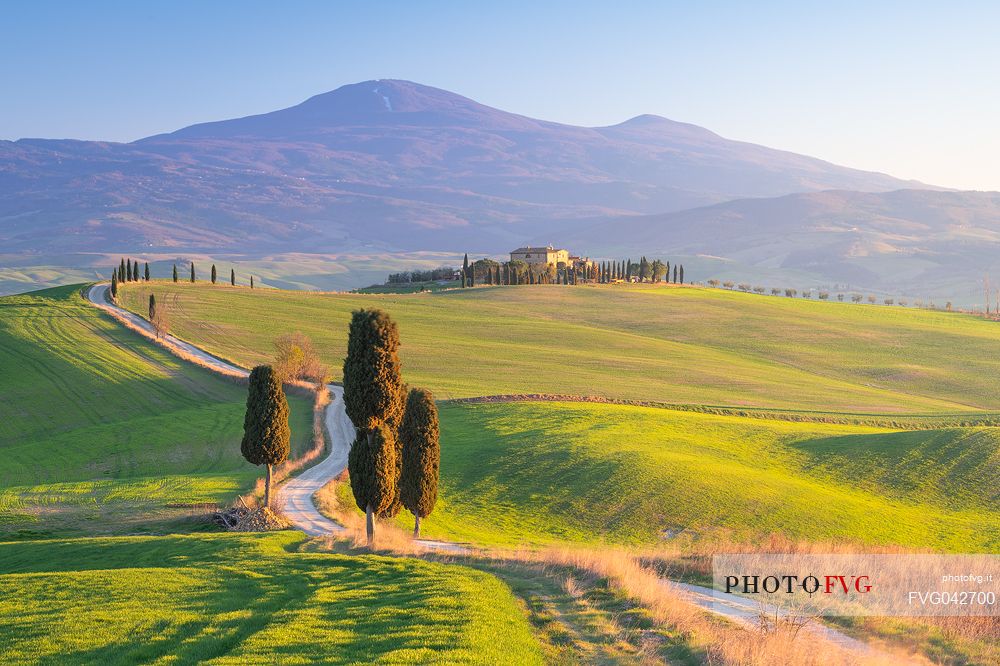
x: 373, y: 398
x: 147, y: 272
x: 465, y: 271
x: 251, y: 282
x: 128, y: 271
x: 419, y: 438
x: 668, y: 271
x: 265, y: 427
x: 175, y: 272
x: 114, y: 284
x: 152, y: 307
x: 232, y: 276
x: 121, y: 271
x: 675, y: 273
x: 214, y: 274
x: 682, y: 274
x: 192, y: 271
x: 373, y: 463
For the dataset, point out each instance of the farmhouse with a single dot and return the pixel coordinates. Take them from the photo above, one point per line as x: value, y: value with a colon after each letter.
x: 549, y: 255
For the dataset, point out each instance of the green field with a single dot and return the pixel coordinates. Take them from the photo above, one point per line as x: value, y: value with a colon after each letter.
x: 540, y: 472
x: 637, y: 342
x: 247, y: 599
x: 100, y: 430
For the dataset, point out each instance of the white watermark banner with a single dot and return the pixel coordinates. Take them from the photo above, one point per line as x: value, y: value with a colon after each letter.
x: 846, y: 585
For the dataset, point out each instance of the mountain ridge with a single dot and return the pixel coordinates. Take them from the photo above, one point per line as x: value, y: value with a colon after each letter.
x: 385, y: 165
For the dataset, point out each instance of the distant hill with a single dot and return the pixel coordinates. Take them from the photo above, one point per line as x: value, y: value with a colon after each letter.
x: 392, y: 165
x: 921, y: 242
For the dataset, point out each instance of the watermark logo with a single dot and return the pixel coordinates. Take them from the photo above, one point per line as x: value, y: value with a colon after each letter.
x: 848, y: 585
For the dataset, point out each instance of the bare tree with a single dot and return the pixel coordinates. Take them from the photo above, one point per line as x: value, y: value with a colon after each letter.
x: 295, y: 358
x: 160, y: 318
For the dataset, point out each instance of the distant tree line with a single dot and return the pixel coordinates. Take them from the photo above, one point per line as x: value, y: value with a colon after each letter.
x: 517, y: 272
x: 432, y: 275
x: 128, y: 271
x: 821, y: 294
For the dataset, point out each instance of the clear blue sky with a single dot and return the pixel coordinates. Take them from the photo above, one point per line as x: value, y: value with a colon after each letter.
x: 910, y: 88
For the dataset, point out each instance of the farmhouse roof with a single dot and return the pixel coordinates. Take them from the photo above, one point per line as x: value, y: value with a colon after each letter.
x: 536, y: 249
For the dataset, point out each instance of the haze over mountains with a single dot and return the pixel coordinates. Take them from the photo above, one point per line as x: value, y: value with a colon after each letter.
x: 394, y: 166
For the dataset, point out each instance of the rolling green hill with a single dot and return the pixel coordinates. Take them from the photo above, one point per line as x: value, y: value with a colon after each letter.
x: 237, y: 599
x: 662, y: 343
x: 538, y: 472
x: 102, y: 431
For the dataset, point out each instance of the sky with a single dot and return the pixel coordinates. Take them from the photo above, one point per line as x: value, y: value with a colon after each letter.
x: 907, y: 88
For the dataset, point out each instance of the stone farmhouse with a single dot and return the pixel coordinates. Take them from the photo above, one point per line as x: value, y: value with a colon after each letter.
x: 549, y: 255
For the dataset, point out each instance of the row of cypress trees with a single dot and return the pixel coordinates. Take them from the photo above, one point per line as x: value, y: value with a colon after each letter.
x: 643, y: 271
x: 517, y: 272
x: 128, y: 271
x: 395, y: 460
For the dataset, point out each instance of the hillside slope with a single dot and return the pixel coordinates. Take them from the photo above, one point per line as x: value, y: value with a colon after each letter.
x: 102, y: 431
x: 660, y: 343
x: 248, y: 598
x: 541, y: 472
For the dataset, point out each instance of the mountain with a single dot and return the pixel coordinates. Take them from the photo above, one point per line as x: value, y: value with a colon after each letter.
x: 918, y: 242
x: 384, y: 165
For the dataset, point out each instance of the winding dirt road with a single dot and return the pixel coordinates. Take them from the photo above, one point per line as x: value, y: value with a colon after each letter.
x: 295, y: 496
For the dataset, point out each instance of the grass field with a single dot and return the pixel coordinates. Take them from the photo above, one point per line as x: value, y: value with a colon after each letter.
x: 638, y: 342
x: 101, y: 430
x: 541, y: 472
x: 247, y: 599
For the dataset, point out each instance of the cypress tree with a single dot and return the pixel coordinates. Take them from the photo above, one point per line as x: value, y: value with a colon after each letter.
x: 373, y: 463
x: 232, y: 276
x: 152, y: 307
x: 175, y: 272
x: 121, y: 271
x: 135, y: 270
x: 682, y: 274
x: 192, y: 271
x: 373, y: 397
x: 265, y: 427
x: 214, y: 274
x: 128, y: 271
x: 465, y: 270
x: 251, y: 282
x: 675, y: 273
x: 114, y: 284
x: 419, y: 438
x: 668, y: 272
x: 147, y: 272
